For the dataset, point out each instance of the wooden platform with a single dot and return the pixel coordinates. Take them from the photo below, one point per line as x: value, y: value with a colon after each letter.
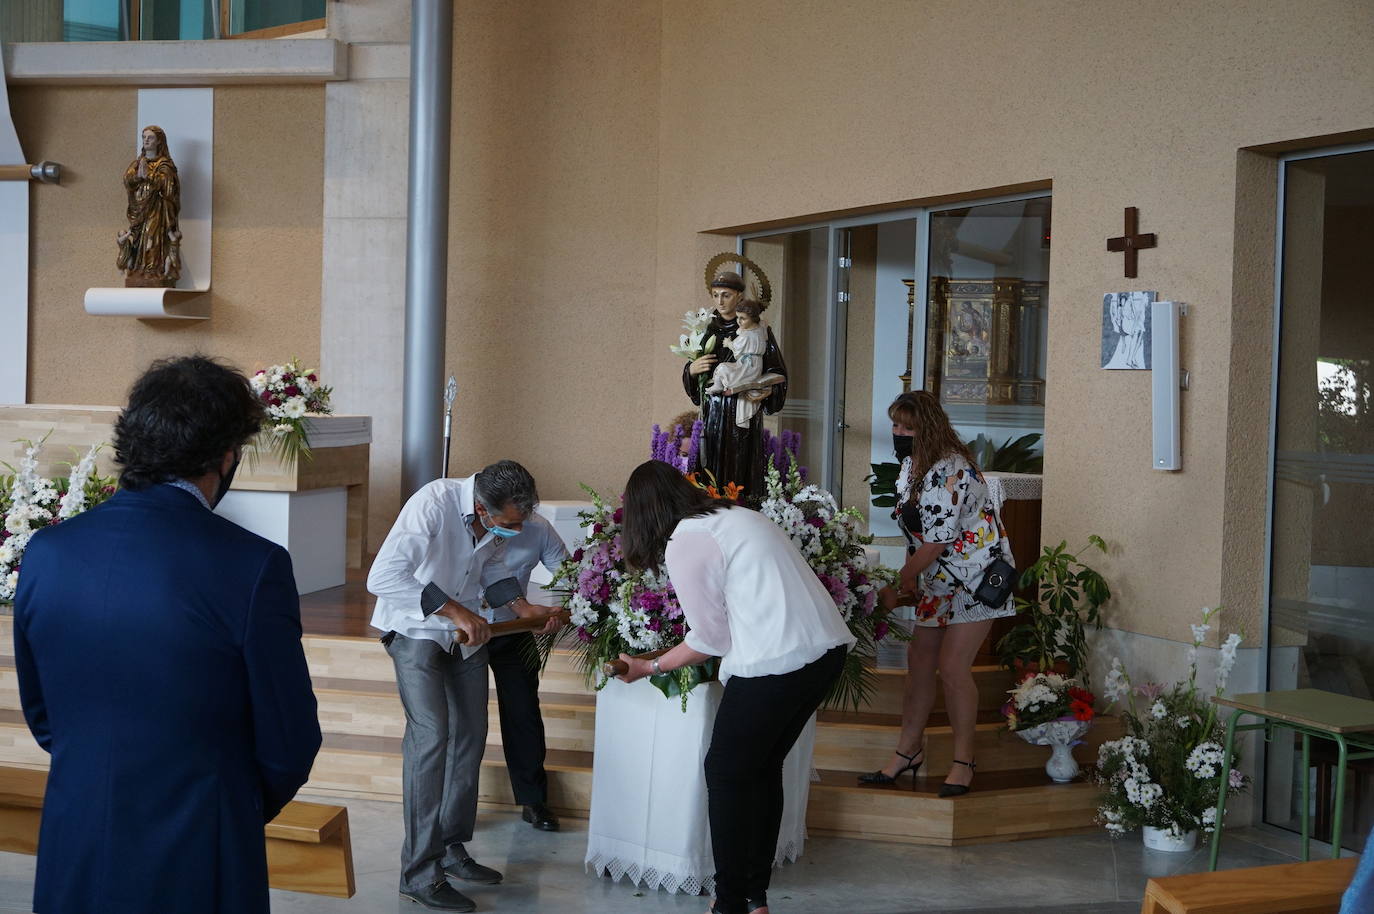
x: 363, y: 723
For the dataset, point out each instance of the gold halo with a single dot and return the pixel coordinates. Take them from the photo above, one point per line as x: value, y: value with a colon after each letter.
x: 765, y: 287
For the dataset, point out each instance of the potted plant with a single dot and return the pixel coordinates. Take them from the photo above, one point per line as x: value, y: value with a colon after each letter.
x: 1048, y: 709
x: 1164, y: 776
x: 1066, y: 597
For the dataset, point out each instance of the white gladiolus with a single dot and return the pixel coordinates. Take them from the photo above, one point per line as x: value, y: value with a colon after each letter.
x: 1117, y: 685
x: 74, y: 502
x: 1227, y: 660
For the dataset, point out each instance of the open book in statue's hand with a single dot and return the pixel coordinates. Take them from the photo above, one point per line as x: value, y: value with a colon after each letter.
x: 757, y: 390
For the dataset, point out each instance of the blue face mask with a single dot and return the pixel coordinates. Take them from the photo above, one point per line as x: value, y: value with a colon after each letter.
x: 498, y: 531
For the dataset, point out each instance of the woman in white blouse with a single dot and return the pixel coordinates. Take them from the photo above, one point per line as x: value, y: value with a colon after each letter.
x: 749, y: 598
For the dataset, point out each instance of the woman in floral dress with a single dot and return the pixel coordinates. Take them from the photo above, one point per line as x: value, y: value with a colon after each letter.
x: 954, y: 533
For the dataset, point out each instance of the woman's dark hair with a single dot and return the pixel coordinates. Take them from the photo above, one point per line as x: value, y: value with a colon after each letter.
x: 656, y: 498
x: 184, y: 415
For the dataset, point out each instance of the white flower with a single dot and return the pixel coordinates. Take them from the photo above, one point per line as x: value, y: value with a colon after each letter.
x: 1158, y: 711
x: 1117, y: 685
x: 1183, y: 722
x: 1200, y: 632
x: 1228, y: 660
x: 581, y: 609
x: 294, y: 408
x: 74, y: 502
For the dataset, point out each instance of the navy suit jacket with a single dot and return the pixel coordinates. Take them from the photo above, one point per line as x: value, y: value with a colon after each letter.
x: 158, y: 648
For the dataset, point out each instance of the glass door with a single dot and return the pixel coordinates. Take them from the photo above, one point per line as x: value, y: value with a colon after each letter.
x: 1321, y: 579
x: 798, y: 267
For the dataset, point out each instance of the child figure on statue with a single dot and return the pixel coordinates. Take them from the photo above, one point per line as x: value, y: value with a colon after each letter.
x: 744, y: 376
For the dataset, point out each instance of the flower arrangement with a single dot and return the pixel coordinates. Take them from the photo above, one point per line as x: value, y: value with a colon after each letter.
x: 1040, y: 698
x: 29, y: 502
x: 289, y: 393
x: 1166, y: 772
x: 616, y: 610
x: 829, y: 538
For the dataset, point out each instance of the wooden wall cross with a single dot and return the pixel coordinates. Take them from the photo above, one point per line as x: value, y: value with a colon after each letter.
x: 1131, y: 242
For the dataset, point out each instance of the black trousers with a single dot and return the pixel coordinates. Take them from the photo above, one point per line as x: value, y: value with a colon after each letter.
x: 759, y: 720
x: 515, y: 667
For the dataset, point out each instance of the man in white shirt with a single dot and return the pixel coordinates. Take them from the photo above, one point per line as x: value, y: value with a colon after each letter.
x: 428, y: 580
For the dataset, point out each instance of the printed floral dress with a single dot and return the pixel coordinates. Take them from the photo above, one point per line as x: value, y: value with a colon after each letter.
x: 950, y: 504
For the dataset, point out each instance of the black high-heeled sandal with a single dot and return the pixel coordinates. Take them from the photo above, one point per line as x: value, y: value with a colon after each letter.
x: 881, y: 777
x: 956, y: 790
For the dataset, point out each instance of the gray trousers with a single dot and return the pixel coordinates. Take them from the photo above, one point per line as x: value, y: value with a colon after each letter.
x: 445, y: 699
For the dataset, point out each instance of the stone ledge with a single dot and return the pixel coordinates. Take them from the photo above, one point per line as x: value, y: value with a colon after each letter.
x: 176, y: 63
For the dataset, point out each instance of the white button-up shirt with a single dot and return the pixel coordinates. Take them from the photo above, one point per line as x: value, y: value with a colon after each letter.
x: 432, y: 543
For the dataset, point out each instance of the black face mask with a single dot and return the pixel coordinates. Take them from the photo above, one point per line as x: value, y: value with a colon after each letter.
x: 901, y: 446
x: 225, y: 481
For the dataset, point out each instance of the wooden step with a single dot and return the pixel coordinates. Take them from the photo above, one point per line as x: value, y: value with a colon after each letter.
x: 846, y: 741
x: 1003, y: 806
x: 569, y: 720
x: 992, y: 681
x: 370, y: 768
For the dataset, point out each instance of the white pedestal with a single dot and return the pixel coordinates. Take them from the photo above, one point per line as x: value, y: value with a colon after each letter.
x: 312, y: 525
x: 563, y: 515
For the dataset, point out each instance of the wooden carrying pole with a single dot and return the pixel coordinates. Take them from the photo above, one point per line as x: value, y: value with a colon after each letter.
x: 516, y: 626
x: 620, y: 667
x: 44, y: 172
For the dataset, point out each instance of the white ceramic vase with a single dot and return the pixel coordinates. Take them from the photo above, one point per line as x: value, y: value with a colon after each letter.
x: 1061, y: 736
x: 1161, y: 839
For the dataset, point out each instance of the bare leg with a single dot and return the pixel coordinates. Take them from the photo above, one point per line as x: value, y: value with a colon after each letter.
x: 960, y: 646
x: 922, y: 655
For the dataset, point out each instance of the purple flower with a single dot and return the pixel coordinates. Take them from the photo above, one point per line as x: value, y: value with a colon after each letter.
x: 578, y: 553
x: 584, y: 636
x: 880, y: 631
x: 1149, y: 690
x: 617, y: 517
x: 815, y: 522
x: 1236, y: 780
x: 655, y: 624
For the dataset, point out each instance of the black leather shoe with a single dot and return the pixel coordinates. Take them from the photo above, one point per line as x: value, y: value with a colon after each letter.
x: 440, y: 897
x: 470, y: 870
x: 540, y: 816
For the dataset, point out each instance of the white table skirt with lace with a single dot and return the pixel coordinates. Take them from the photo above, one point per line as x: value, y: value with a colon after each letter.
x: 648, y: 818
x: 1014, y: 486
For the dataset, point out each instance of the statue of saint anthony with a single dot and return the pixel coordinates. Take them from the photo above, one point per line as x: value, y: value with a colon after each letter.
x: 729, y: 451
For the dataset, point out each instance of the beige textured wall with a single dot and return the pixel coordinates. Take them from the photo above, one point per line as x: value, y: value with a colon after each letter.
x: 265, y: 285
x: 780, y: 108
x: 551, y: 256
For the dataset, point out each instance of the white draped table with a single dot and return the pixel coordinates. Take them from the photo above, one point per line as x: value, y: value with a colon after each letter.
x: 648, y: 817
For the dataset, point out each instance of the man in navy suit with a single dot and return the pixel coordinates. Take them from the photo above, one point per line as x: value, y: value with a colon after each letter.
x: 159, y: 655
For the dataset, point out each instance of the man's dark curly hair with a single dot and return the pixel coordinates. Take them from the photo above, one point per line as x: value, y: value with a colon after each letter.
x: 183, y: 415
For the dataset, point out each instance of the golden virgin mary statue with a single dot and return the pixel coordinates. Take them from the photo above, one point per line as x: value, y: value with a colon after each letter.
x: 150, y: 248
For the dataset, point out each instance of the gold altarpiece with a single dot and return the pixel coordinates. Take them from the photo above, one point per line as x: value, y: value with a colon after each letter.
x: 983, y: 341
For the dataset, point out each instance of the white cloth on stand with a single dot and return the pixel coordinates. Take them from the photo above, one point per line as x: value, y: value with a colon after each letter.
x: 648, y: 817
x: 1014, y: 487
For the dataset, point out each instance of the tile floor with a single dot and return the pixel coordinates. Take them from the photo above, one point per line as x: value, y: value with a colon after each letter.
x: 1086, y: 874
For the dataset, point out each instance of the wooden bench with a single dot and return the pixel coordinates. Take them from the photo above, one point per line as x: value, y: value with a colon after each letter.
x: 1288, y: 888
x: 308, y: 847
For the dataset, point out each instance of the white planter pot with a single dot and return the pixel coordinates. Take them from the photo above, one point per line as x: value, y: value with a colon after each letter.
x: 1161, y: 839
x: 1061, y: 736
